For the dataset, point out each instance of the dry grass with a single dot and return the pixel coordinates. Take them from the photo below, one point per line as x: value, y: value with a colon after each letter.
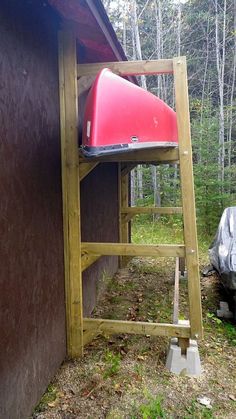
x: 125, y: 376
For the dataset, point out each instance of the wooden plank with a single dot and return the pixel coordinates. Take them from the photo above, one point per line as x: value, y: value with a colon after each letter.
x: 142, y: 328
x: 126, y: 168
x: 183, y: 343
x: 127, y: 217
x: 151, y: 210
x: 124, y: 230
x: 87, y: 260
x: 188, y: 198
x: 176, y: 293
x: 89, y: 335
x: 70, y: 191
x: 182, y: 265
x: 154, y: 155
x: 86, y: 168
x: 129, y: 249
x: 128, y: 68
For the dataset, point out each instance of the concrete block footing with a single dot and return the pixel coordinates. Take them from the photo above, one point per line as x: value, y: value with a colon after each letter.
x: 188, y: 364
x: 224, y: 311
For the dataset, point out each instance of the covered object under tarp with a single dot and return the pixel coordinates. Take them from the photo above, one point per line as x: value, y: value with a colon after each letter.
x: 222, y: 251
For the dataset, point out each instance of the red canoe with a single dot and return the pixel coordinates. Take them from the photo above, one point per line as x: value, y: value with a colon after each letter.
x: 120, y: 117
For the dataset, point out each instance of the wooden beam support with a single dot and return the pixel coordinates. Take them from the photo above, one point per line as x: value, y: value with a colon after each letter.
x: 126, y: 168
x: 142, y: 328
x: 154, y: 155
x: 129, y: 249
x: 89, y: 335
x: 126, y: 218
x: 124, y: 228
x: 183, y: 343
x: 151, y: 210
x: 188, y: 198
x: 176, y: 293
x: 70, y: 191
x: 88, y: 260
x: 128, y: 68
x: 85, y: 169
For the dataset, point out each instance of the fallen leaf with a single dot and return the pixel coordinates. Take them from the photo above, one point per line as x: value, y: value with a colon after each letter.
x: 141, y: 358
x: 232, y: 397
x: 52, y: 404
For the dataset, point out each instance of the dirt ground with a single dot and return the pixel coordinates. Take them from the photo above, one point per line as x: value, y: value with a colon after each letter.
x: 124, y: 376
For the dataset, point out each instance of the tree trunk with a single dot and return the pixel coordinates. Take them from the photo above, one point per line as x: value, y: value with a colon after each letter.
x: 220, y: 64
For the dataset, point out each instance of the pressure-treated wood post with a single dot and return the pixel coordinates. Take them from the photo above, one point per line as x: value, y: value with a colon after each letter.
x: 71, y: 191
x: 188, y: 198
x: 123, y: 202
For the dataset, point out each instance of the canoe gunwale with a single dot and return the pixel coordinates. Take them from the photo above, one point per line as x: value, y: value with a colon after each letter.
x: 90, y: 151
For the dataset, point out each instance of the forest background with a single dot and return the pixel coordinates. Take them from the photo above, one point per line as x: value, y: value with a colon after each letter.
x: 205, y: 32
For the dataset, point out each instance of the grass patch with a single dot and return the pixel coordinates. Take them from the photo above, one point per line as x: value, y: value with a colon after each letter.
x: 198, y: 412
x: 47, y: 399
x: 152, y: 409
x: 112, y: 364
x: 225, y: 329
x: 151, y: 231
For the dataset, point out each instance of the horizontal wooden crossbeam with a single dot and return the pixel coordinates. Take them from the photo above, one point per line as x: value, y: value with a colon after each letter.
x: 142, y: 328
x: 151, y: 210
x: 154, y: 155
x: 129, y: 249
x: 128, y: 68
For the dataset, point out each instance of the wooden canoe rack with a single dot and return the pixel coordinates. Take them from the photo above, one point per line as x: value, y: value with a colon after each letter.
x: 79, y: 256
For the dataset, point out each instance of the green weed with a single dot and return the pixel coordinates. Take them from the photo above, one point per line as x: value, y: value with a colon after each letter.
x: 139, y: 370
x: 49, y: 397
x: 153, y: 408
x: 112, y: 364
x: 198, y: 412
x: 225, y: 328
x: 214, y: 318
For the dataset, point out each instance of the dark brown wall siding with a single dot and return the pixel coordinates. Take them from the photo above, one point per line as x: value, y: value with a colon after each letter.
x: 32, y: 309
x: 99, y: 210
x: 32, y: 313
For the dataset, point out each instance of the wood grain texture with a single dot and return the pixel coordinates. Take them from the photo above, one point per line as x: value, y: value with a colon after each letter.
x: 188, y: 197
x: 128, y: 68
x: 142, y: 328
x: 176, y: 293
x: 71, y: 193
x: 85, y: 169
x: 129, y: 249
x: 88, y: 260
x: 151, y: 210
x: 124, y: 222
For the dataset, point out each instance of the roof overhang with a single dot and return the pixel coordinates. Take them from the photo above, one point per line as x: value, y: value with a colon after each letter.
x: 97, y: 41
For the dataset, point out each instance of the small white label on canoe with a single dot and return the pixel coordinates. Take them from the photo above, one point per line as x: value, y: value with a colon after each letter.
x: 88, y: 128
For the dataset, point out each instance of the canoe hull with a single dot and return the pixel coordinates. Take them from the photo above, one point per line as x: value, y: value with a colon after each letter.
x: 121, y: 117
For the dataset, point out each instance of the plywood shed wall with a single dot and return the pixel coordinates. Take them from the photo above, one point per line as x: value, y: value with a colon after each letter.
x: 32, y: 308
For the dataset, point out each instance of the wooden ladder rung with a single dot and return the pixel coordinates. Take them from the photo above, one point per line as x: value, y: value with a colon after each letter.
x: 151, y: 210
x: 129, y: 249
x: 142, y: 328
